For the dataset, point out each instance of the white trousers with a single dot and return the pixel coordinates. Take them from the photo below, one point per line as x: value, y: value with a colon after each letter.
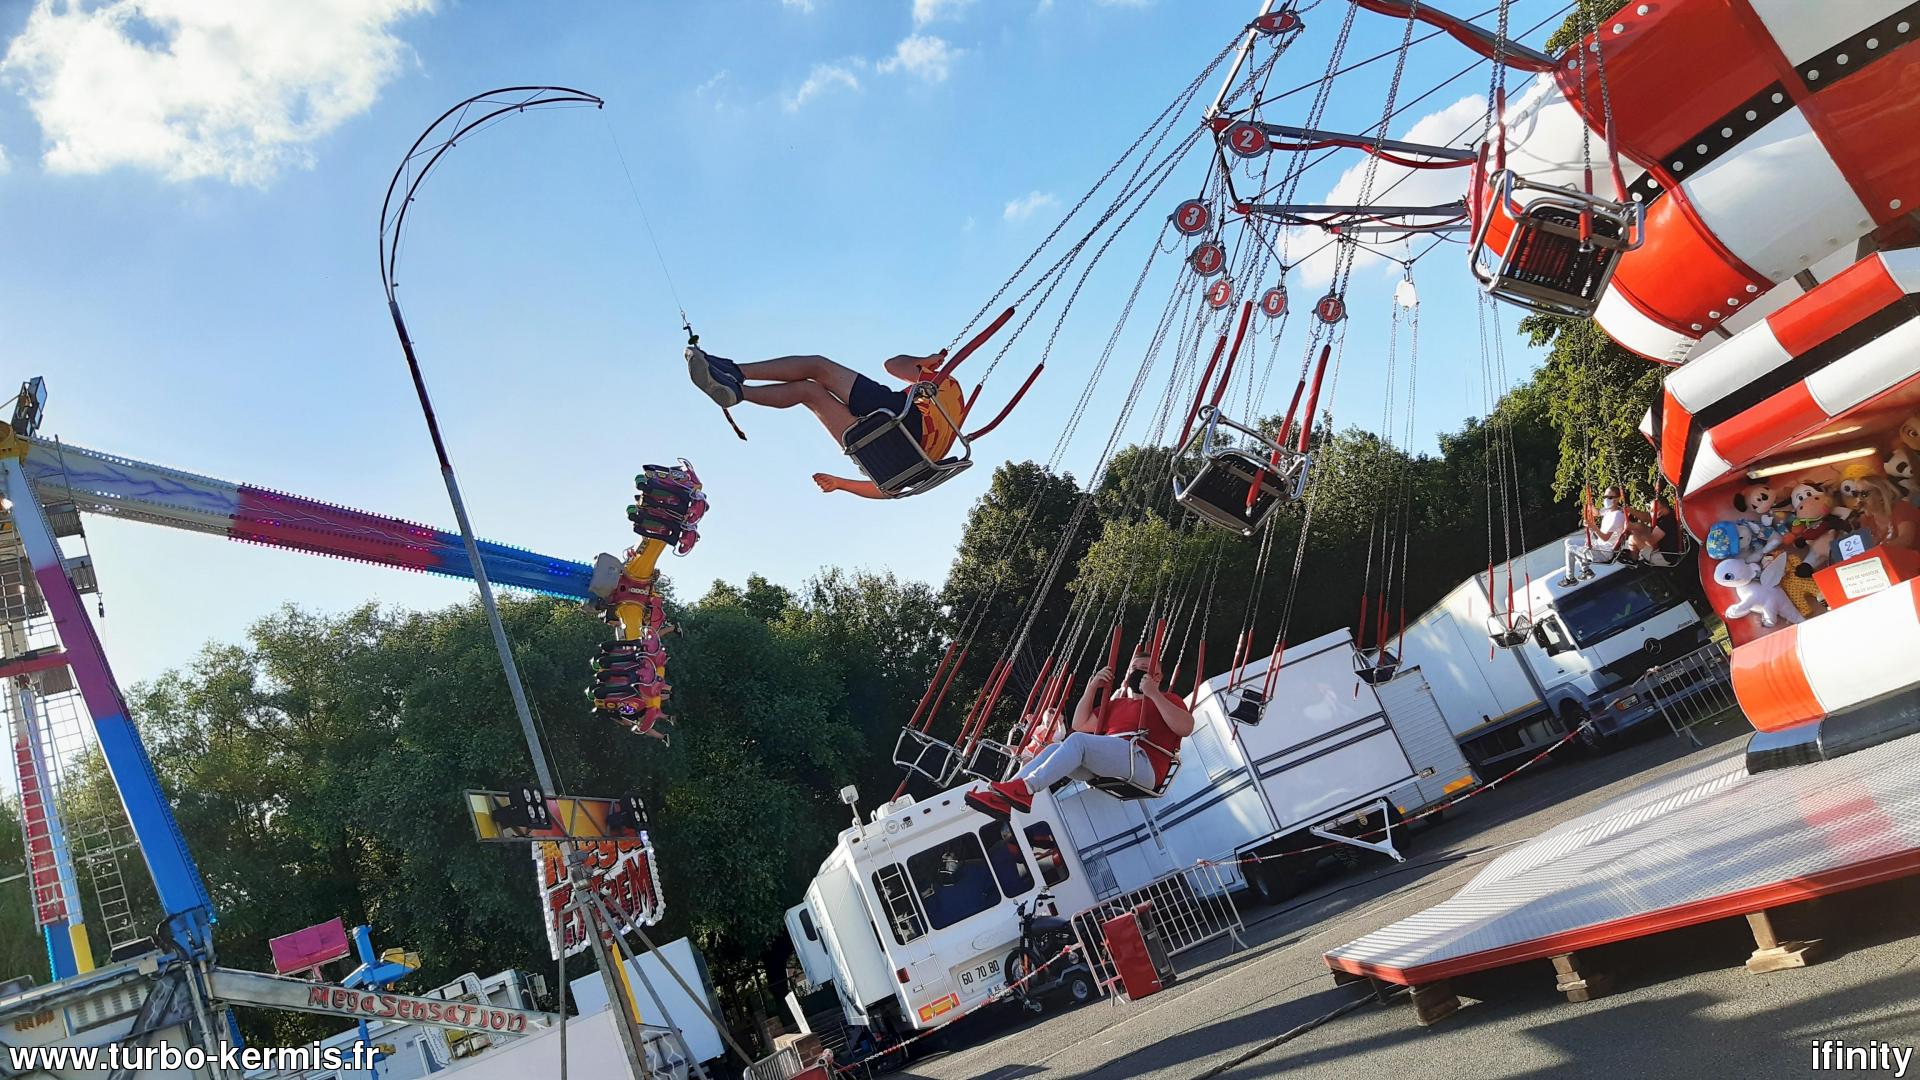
x: 1596, y: 552
x: 1083, y: 757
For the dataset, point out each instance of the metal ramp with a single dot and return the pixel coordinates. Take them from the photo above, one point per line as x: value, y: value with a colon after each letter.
x: 1711, y: 843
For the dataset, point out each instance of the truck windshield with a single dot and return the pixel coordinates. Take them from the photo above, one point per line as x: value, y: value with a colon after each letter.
x: 1614, y: 603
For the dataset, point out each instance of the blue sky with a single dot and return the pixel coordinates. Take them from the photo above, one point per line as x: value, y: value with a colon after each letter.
x: 190, y: 208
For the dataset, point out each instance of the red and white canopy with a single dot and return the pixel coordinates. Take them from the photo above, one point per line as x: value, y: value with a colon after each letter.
x: 1761, y: 135
x: 1834, y: 370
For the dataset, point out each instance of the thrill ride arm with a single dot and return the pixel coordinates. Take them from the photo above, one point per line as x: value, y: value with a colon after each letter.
x: 123, y: 488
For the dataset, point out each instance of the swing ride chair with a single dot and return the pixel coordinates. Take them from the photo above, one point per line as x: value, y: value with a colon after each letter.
x: 1250, y: 709
x: 1376, y: 671
x: 891, y: 456
x: 1218, y: 491
x: 990, y: 761
x: 932, y: 758
x: 1133, y: 785
x: 1548, y: 267
x: 1508, y: 632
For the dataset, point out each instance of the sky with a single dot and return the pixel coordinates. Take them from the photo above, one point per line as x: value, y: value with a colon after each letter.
x: 189, y: 200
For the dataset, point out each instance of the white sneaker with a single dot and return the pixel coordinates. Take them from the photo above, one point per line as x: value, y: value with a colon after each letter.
x: 724, y: 393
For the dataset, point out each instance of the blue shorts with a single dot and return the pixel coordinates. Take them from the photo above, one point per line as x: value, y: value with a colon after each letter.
x: 868, y: 396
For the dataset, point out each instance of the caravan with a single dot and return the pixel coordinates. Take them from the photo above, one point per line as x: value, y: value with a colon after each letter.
x: 913, y: 914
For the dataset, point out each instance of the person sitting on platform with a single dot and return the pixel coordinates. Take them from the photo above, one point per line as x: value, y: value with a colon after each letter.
x: 1102, y: 747
x: 1606, y: 536
x: 837, y: 396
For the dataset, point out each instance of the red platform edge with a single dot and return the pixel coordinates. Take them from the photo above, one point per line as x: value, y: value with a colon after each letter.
x: 1760, y: 898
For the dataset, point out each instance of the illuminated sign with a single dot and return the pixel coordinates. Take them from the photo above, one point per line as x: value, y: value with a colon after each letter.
x: 621, y: 871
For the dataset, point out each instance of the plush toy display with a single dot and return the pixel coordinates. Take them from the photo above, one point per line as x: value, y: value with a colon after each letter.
x: 1759, y: 590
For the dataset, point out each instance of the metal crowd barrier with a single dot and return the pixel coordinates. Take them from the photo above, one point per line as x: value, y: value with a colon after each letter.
x: 1693, y: 690
x: 1190, y: 907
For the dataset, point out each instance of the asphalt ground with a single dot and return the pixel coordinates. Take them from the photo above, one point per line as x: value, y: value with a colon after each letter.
x: 1683, y: 1004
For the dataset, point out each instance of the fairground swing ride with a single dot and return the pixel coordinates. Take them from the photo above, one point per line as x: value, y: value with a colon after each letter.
x: 1222, y: 472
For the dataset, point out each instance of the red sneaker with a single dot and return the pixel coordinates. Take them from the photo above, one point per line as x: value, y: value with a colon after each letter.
x: 990, y: 803
x: 1015, y: 794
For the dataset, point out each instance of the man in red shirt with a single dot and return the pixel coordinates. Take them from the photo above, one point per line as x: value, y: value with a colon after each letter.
x: 1102, y: 746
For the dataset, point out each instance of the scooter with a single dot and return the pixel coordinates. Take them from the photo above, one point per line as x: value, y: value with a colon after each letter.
x: 1042, y: 966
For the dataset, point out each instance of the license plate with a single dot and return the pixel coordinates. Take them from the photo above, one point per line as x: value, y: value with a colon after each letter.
x: 980, y: 974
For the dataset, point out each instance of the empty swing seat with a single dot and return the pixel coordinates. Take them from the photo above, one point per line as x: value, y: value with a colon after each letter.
x: 1544, y: 264
x: 1506, y: 632
x: 1134, y: 786
x: 1376, y: 671
x: 932, y: 758
x: 1250, y: 709
x: 1217, y: 493
x: 891, y: 456
x: 990, y: 761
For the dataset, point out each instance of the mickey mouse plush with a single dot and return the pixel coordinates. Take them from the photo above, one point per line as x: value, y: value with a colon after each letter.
x: 1763, y: 520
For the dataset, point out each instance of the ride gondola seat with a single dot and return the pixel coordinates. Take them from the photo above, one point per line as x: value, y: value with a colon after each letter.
x: 892, y: 456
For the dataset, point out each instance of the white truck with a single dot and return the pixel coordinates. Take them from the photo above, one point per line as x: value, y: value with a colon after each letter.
x: 911, y: 917
x: 1585, y: 646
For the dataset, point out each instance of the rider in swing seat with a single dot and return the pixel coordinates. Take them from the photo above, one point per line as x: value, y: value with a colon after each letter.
x: 837, y: 396
x: 1100, y: 748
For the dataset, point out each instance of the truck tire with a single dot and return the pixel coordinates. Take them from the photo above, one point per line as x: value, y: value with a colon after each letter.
x: 1273, y: 882
x: 1078, y: 987
x: 1593, y: 742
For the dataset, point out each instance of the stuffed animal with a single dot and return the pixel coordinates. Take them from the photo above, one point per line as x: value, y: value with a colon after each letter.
x: 1759, y: 507
x: 1817, y: 523
x: 1800, y: 587
x: 1890, y: 518
x: 1902, y: 465
x: 1853, y: 484
x: 1759, y: 591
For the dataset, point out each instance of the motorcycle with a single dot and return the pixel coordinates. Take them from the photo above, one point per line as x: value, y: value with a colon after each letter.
x: 1042, y: 966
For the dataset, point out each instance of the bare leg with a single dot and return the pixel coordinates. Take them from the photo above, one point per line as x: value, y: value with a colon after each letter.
x: 818, y: 369
x: 831, y: 411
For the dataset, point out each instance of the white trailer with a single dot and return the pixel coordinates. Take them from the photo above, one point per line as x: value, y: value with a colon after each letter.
x: 1332, y: 756
x: 1584, y: 647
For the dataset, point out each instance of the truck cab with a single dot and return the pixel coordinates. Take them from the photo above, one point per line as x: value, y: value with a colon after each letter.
x: 912, y: 916
x: 1592, y: 640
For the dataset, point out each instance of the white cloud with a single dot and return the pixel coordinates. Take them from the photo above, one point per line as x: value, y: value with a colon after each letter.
x: 1410, y: 187
x: 804, y: 7
x: 822, y: 78
x: 235, y: 89
x: 1028, y: 205
x: 711, y: 85
x: 926, y: 11
x: 921, y: 55
x: 4, y: 164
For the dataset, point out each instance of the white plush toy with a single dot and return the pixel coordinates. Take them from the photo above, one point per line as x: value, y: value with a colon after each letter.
x: 1759, y: 590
